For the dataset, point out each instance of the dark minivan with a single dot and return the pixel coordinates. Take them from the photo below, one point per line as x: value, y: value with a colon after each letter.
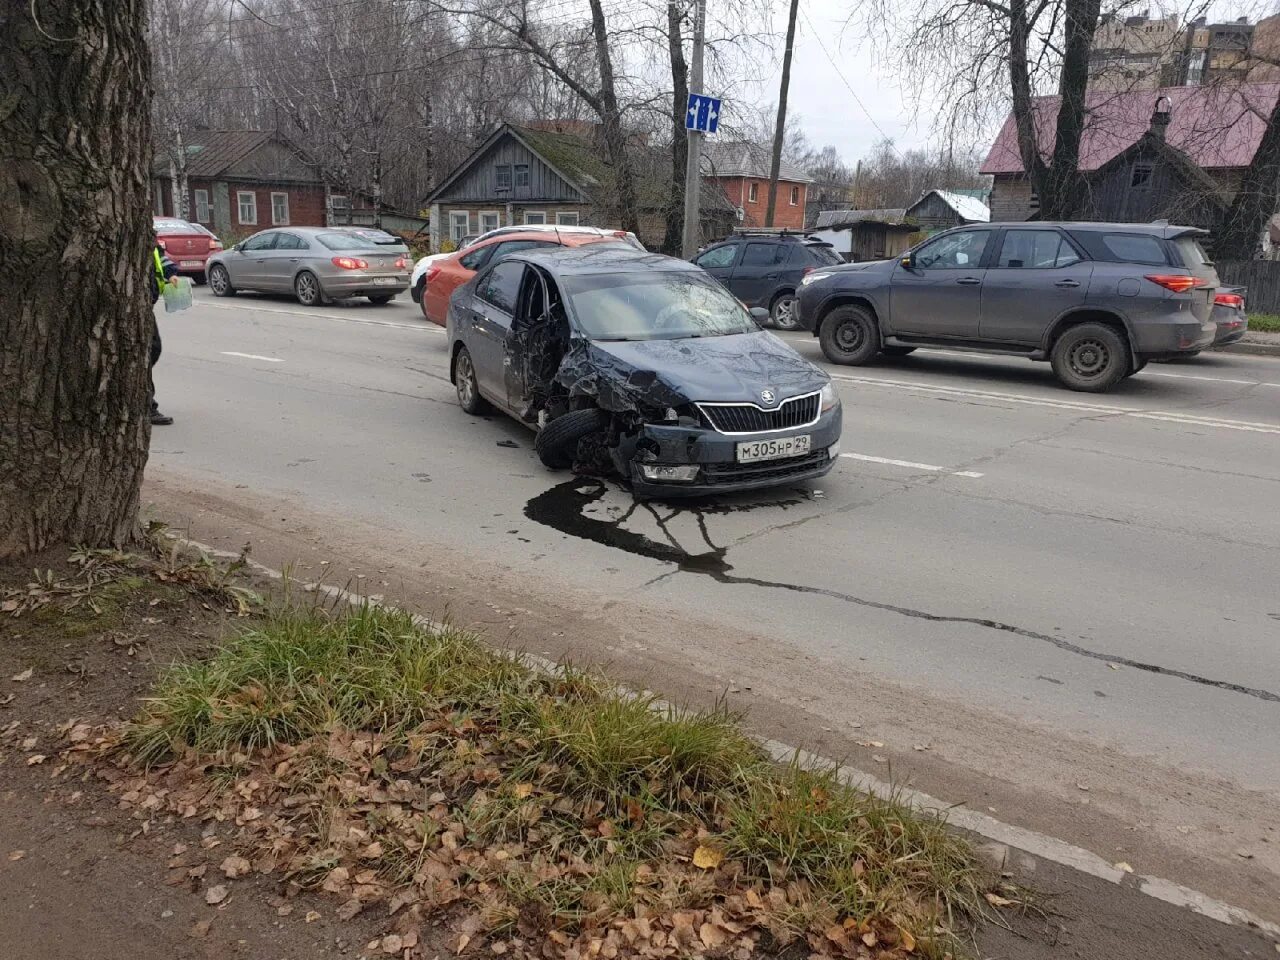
x: 765, y: 269
x: 1097, y: 300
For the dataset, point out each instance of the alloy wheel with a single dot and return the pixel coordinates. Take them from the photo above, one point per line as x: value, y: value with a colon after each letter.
x: 466, y: 378
x: 307, y: 289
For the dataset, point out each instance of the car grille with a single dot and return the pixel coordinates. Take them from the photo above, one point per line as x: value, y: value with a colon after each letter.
x: 748, y: 418
x: 717, y: 473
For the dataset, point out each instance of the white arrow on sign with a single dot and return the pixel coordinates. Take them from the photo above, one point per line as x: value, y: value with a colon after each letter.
x: 693, y: 107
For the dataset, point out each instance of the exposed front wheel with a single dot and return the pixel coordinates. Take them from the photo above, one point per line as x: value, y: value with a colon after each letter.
x: 850, y: 335
x: 1091, y: 357
x: 307, y: 289
x: 220, y: 281
x: 557, y: 443
x: 464, y: 378
x: 783, y: 312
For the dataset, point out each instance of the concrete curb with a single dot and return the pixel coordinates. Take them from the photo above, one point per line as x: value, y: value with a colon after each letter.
x: 1254, y: 347
x: 998, y: 834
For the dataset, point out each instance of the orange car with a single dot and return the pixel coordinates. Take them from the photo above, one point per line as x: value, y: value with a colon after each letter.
x: 447, y: 274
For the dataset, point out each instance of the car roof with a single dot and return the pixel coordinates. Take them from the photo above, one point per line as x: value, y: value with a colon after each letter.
x: 1161, y: 229
x: 591, y: 258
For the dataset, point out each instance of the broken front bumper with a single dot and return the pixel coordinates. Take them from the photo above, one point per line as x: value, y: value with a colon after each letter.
x: 715, y: 455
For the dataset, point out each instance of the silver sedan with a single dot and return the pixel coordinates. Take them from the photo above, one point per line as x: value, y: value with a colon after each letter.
x: 315, y: 264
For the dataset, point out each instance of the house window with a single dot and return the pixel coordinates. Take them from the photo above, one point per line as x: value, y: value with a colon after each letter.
x: 502, y: 177
x: 522, y: 174
x: 489, y: 220
x: 247, y: 201
x: 459, y: 220
x: 1141, y: 178
x: 535, y: 217
x: 569, y: 219
x: 202, y: 206
x: 280, y: 209
x: 795, y: 196
x: 753, y: 193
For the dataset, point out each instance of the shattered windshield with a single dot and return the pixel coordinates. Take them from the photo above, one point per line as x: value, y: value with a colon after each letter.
x: 655, y: 306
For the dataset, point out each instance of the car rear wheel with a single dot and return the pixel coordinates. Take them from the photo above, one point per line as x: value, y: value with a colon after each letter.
x: 1091, y: 357
x: 464, y: 378
x: 850, y: 335
x: 783, y: 311
x: 557, y: 442
x: 220, y: 281
x: 897, y: 351
x: 379, y: 299
x: 307, y: 289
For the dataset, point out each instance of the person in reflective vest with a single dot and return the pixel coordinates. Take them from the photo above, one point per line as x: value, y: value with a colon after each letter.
x: 162, y: 271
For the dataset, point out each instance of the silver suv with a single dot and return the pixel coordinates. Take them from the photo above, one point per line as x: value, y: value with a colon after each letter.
x: 1097, y: 300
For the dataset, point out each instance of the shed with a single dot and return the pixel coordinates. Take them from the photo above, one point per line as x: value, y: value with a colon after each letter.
x: 942, y: 209
x: 859, y: 235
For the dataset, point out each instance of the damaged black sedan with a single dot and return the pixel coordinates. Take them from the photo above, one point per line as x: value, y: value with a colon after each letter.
x: 638, y: 364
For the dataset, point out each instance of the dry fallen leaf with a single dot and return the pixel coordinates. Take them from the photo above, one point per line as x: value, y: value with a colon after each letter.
x: 908, y: 940
x: 391, y: 943
x: 36, y: 758
x: 523, y: 790
x: 1124, y: 866
x: 879, y: 759
x: 311, y: 916
x: 201, y: 929
x: 235, y: 866
x: 707, y: 858
x: 17, y: 855
x: 870, y: 744
x: 215, y: 894
x: 25, y: 675
x: 1244, y: 854
x: 712, y: 935
x: 998, y: 901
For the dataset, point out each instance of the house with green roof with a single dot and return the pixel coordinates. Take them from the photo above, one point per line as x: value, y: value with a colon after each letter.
x: 521, y: 175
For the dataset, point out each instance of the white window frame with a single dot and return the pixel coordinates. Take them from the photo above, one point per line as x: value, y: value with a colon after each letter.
x: 459, y: 218
x: 202, y: 206
x: 568, y: 218
x: 279, y: 222
x: 753, y: 192
x: 253, y: 205
x: 540, y: 214
x: 497, y: 220
x: 795, y: 196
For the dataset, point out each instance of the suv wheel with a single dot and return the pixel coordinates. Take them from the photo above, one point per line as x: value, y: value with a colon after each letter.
x: 850, y: 335
x: 1091, y: 357
x: 783, y: 311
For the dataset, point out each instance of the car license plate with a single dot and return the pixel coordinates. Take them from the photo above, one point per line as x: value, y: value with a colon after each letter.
x: 778, y: 449
x: 190, y: 263
x: 386, y: 281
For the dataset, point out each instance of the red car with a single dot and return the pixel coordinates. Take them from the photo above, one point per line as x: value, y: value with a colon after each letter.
x: 187, y: 244
x: 447, y: 274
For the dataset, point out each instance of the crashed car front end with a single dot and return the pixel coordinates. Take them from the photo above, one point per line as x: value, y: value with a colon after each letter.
x: 776, y: 420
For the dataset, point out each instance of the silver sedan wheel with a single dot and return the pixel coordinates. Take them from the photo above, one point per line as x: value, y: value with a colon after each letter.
x: 307, y: 289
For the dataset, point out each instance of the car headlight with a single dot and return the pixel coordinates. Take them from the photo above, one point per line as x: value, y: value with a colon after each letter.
x: 813, y: 275
x: 830, y: 399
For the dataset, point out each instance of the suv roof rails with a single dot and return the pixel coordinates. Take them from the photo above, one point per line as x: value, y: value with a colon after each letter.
x: 782, y: 233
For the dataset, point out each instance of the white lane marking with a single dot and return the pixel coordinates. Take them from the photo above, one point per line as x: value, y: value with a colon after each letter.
x: 1192, y: 376
x: 1170, y: 416
x: 251, y: 356
x: 1038, y: 844
x: 911, y: 464
x: 424, y: 327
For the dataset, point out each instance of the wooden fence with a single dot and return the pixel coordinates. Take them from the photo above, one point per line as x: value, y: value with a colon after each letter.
x: 1262, y: 277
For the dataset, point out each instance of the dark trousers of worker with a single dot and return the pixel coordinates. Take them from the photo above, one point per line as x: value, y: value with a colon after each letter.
x: 151, y: 380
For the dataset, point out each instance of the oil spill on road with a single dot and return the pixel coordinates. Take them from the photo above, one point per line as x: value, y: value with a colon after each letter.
x: 563, y: 508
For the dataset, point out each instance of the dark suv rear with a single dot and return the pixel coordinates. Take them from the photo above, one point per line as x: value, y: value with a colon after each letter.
x: 765, y: 269
x: 1097, y: 300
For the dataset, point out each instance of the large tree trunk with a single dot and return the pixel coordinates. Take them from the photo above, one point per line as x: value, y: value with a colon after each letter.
x: 1240, y: 235
x: 615, y: 136
x: 1066, y: 188
x: 673, y: 236
x: 75, y: 317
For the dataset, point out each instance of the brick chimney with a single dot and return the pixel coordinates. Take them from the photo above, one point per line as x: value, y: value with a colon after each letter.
x: 1161, y: 116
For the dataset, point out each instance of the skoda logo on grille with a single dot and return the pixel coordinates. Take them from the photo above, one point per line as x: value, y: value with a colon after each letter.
x: 766, y: 396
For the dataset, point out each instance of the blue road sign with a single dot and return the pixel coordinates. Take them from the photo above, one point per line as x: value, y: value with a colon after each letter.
x: 703, y: 113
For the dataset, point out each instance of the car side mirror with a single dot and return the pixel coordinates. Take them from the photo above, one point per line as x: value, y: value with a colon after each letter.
x: 908, y: 261
x: 759, y: 314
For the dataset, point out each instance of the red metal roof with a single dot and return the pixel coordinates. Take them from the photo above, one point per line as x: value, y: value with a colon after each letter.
x: 1216, y: 126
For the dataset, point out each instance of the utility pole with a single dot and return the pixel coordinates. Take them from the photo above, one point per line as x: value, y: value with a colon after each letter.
x: 780, y: 130
x: 693, y: 169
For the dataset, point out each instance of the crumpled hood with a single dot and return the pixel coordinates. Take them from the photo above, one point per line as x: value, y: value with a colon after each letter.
x: 626, y: 374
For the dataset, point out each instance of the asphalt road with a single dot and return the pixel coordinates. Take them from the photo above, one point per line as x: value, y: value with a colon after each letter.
x: 1059, y: 607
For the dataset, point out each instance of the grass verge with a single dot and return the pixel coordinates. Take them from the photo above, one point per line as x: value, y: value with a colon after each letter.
x: 1268, y: 322
x: 355, y: 751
